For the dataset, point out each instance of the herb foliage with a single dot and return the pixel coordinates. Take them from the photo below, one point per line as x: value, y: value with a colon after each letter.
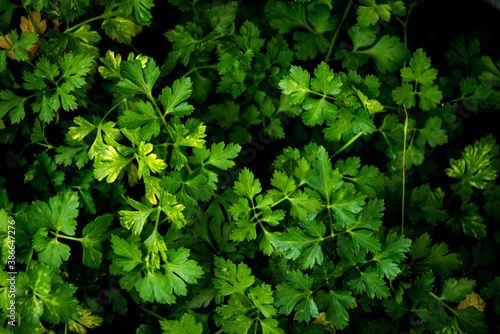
x: 250, y: 178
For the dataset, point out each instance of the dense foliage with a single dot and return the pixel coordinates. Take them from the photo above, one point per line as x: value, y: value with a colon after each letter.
x: 245, y: 167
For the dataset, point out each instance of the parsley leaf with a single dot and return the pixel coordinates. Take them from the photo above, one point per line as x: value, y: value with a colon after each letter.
x: 436, y: 258
x: 475, y: 168
x: 336, y: 304
x: 232, y: 278
x: 372, y: 12
x: 297, y: 295
x: 302, y: 243
x: 136, y: 79
x: 186, y: 325
x: 423, y: 76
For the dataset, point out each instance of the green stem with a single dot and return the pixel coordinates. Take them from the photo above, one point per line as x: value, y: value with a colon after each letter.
x: 404, y: 175
x: 196, y: 68
x: 159, y: 112
x: 110, y: 110
x: 47, y: 145
x: 152, y: 313
x: 346, y: 145
x: 107, y: 13
x: 336, y: 34
x: 67, y: 237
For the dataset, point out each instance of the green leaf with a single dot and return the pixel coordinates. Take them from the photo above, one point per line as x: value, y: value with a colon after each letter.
x: 140, y: 8
x: 436, y: 258
x: 179, y: 270
x: 188, y: 134
x: 362, y: 37
x: 6, y: 11
x: 120, y: 29
x: 388, y: 53
x: 83, y: 129
x: 427, y: 204
x: 296, y: 84
x: 130, y: 256
x: 53, y: 300
x: 432, y: 133
x: 369, y: 281
x: 82, y: 41
x: 392, y: 251
x: 60, y: 305
x: 94, y: 235
x: 59, y: 214
x: 419, y: 70
x: 278, y: 51
x: 369, y: 219
x: 347, y: 124
x: 317, y: 111
x: 219, y: 155
x: 322, y: 178
x: 154, y: 287
x: 344, y: 204
x: 19, y: 44
x: 12, y: 104
x: 285, y: 16
x: 302, y: 243
x: 136, y: 79
x: 186, y: 325
x: 471, y: 321
x: 38, y: 281
x: 469, y: 219
x: 405, y: 94
x: 336, y: 304
x: 173, y: 209
x: 309, y: 45
x: 372, y: 12
x: 148, y: 163
x: 247, y: 185
x: 112, y: 66
x: 233, y: 318
x: 369, y: 180
x: 455, y: 291
x: 173, y: 98
x: 423, y: 76
x: 297, y: 295
x: 135, y: 220
x: 231, y: 279
x: 270, y: 326
x: 262, y: 298
x: 144, y: 118
x: 475, y: 168
x: 110, y: 164
x: 50, y: 250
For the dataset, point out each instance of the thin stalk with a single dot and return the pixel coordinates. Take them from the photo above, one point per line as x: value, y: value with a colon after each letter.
x: 346, y: 145
x: 107, y: 13
x: 159, y: 112
x: 194, y: 69
x: 110, y: 110
x: 336, y: 34
x: 152, y: 313
x: 67, y: 237
x: 404, y: 173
